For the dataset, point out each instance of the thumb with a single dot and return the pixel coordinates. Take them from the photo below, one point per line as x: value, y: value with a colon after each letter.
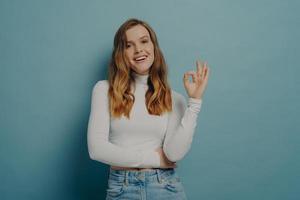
x: 185, y: 79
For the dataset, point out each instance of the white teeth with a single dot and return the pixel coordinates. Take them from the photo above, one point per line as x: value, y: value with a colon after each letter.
x: 140, y: 58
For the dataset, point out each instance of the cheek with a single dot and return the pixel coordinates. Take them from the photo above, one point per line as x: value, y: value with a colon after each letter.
x: 151, y: 49
x: 127, y: 59
x: 152, y: 52
x: 128, y: 55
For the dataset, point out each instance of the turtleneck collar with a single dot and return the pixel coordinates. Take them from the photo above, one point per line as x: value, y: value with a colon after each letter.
x: 141, y: 79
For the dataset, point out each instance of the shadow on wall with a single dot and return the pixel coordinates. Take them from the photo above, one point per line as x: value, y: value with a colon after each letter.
x: 88, y: 177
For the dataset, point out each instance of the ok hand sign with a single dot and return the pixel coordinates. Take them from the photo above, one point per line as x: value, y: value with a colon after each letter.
x: 196, y: 88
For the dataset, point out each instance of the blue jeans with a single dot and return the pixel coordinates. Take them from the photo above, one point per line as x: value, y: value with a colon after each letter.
x: 145, y: 185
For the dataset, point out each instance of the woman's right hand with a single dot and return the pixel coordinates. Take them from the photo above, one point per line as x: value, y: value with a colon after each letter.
x: 164, y: 162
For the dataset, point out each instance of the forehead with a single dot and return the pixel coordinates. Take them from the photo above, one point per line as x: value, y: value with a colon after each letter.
x: 136, y: 32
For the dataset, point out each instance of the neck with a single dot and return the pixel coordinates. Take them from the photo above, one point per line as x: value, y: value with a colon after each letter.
x: 139, y: 78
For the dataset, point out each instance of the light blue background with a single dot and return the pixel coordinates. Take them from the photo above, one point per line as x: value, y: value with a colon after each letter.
x: 246, y: 145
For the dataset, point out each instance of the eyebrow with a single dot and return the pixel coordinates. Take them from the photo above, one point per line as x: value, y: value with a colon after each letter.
x: 140, y: 38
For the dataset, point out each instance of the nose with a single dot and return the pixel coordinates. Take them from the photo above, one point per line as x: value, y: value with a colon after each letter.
x: 138, y: 49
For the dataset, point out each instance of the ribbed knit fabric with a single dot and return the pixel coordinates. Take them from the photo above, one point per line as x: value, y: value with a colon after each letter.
x: 132, y: 143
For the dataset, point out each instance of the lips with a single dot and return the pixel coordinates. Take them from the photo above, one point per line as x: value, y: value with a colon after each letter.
x: 140, y: 58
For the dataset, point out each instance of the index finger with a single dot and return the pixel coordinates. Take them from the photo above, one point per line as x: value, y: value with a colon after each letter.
x: 199, y: 67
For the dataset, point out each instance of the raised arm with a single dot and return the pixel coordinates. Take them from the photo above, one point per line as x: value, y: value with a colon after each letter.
x: 99, y: 146
x: 182, y: 122
x: 183, y: 119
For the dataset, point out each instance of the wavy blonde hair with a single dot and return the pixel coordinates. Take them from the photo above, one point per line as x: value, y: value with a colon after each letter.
x: 121, y: 99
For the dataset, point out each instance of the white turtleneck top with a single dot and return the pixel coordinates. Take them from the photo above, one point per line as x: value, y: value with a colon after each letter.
x: 132, y: 142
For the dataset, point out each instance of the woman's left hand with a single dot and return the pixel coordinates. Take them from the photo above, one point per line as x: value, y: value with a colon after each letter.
x: 196, y: 88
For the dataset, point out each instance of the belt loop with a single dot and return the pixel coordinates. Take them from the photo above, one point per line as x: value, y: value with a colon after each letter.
x: 158, y: 176
x: 126, y: 177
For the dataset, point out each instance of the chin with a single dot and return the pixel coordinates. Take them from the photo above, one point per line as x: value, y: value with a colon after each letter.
x: 142, y: 72
x: 139, y: 71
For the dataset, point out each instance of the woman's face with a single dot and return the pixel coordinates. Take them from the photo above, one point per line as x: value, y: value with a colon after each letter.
x: 139, y: 49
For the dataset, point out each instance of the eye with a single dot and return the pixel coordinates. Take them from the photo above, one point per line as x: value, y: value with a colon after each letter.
x: 144, y: 41
x: 128, y: 45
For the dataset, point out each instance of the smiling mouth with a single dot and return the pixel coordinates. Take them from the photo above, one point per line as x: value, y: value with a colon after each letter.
x: 140, y: 59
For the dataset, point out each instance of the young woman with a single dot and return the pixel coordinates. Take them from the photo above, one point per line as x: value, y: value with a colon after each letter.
x: 138, y: 125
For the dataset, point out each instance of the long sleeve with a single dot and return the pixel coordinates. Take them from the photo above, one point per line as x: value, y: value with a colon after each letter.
x: 182, y: 122
x: 99, y: 146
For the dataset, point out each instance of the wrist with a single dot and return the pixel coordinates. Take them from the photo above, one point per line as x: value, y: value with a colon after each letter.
x: 195, y: 97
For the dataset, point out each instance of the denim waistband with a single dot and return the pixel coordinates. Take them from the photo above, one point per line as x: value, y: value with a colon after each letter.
x: 149, y: 174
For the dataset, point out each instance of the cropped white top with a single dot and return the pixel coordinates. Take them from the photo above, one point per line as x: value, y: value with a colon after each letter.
x: 132, y: 143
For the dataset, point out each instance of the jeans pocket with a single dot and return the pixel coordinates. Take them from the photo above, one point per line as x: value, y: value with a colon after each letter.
x: 172, y: 183
x: 115, y: 188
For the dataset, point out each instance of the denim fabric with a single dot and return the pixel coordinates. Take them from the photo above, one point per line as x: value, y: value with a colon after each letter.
x: 145, y: 185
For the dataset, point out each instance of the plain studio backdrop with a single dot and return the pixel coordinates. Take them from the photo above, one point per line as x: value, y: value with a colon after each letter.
x: 246, y: 144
